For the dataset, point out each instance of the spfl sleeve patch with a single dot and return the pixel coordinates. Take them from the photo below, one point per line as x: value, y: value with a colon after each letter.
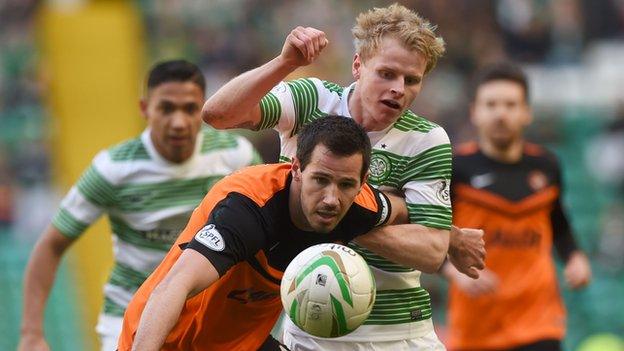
x: 210, y: 237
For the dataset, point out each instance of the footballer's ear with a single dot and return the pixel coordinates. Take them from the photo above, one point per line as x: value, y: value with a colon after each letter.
x: 143, y: 107
x: 357, y: 65
x: 364, y: 180
x: 295, y: 169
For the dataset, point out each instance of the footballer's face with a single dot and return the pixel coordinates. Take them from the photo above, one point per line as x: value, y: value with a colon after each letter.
x: 173, y: 113
x: 323, y: 192
x: 500, y: 113
x: 387, y: 84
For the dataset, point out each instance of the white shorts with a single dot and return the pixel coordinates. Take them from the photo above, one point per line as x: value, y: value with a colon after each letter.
x: 109, y: 329
x: 428, y: 342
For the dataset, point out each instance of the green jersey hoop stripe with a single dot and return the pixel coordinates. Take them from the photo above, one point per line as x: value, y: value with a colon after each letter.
x: 412, y: 122
x: 430, y: 215
x: 270, y: 110
x: 110, y: 307
x: 154, y: 196
x: 126, y: 277
x: 131, y: 150
x: 67, y: 224
x: 333, y: 87
x: 93, y: 186
x: 126, y: 233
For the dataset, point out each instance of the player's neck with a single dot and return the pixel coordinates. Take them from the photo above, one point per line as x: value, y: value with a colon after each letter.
x: 511, y: 153
x: 170, y: 154
x: 356, y: 110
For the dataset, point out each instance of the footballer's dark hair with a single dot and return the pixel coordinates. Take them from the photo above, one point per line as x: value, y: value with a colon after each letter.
x: 175, y: 71
x: 500, y: 71
x: 340, y: 135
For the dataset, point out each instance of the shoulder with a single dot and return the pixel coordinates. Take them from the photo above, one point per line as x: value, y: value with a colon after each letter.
x: 466, y: 149
x: 420, y: 133
x: 114, y: 163
x: 540, y: 156
x: 315, y: 87
x: 128, y: 150
x: 213, y: 140
x: 411, y: 122
x: 258, y: 183
x: 466, y: 157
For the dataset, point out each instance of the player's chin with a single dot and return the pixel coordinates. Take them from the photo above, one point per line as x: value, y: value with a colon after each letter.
x: 325, y: 224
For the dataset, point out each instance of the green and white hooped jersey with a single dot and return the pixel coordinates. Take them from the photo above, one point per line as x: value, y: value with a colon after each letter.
x: 414, y: 156
x: 148, y: 200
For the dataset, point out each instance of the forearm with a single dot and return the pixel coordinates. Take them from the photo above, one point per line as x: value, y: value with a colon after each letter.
x: 563, y: 240
x: 159, y: 316
x: 191, y: 274
x: 233, y: 104
x: 38, y: 280
x: 410, y: 245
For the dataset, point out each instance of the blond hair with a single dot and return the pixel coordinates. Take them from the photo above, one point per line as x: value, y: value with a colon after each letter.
x: 414, y: 31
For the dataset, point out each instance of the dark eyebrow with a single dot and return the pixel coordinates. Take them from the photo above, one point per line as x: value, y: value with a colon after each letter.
x: 322, y: 174
x: 327, y: 175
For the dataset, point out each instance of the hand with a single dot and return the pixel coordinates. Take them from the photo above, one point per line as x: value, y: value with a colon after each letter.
x: 303, y: 46
x: 577, y: 271
x: 486, y: 283
x: 467, y: 250
x: 33, y: 342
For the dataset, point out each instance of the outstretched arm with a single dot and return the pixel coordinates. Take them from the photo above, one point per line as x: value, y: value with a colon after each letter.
x: 191, y: 274
x: 38, y: 280
x: 236, y: 104
x: 411, y: 245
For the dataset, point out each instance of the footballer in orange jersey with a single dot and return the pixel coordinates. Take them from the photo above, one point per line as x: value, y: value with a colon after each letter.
x: 218, y: 287
x: 510, y: 189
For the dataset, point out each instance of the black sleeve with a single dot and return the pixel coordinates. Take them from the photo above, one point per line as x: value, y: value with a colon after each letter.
x: 455, y: 176
x: 233, y: 233
x: 360, y: 220
x: 563, y: 240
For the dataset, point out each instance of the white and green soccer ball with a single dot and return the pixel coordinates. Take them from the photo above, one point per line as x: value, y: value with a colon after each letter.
x: 328, y: 290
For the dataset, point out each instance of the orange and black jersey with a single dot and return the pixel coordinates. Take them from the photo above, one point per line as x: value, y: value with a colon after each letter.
x: 248, y: 228
x: 512, y: 188
x: 518, y: 207
x: 243, y: 227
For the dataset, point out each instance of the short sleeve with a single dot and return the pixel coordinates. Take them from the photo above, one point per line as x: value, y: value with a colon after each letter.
x: 86, y: 200
x: 233, y: 233
x: 426, y: 182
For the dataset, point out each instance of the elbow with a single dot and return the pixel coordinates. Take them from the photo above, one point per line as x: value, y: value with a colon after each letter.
x: 436, y: 263
x: 212, y: 116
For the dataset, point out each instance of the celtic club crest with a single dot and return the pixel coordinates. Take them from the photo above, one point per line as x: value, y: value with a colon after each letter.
x: 380, y: 168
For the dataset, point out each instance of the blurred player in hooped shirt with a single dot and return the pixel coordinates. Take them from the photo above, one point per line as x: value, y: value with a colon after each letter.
x: 148, y: 186
x: 511, y: 189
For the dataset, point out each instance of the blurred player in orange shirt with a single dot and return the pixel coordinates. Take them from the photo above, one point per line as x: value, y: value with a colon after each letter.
x: 511, y: 189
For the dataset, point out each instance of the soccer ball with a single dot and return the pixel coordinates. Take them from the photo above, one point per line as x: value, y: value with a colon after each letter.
x: 328, y: 290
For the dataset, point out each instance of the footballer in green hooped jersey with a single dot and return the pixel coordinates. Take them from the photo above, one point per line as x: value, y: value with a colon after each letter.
x: 148, y: 186
x: 395, y: 48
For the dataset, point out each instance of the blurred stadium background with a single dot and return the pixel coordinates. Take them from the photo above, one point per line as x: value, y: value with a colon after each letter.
x: 71, y: 75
